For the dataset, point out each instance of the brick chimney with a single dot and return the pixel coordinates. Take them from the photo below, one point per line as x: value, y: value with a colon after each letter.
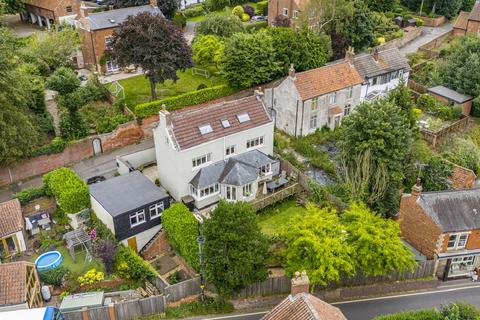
x: 291, y: 72
x: 375, y: 54
x: 350, y: 55
x: 154, y: 3
x: 417, y: 188
x: 165, y: 120
x: 83, y: 11
x: 259, y: 93
x: 300, y: 283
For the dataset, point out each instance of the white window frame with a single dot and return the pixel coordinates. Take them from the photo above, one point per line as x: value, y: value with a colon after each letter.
x: 232, y: 191
x: 255, y: 142
x: 314, y: 104
x: 332, y: 98
x: 349, y: 92
x: 136, y: 215
x: 347, y: 109
x: 285, y: 12
x: 201, y: 161
x: 112, y: 63
x: 266, y: 169
x: 68, y: 9
x: 108, y: 42
x: 456, y: 241
x: 247, y: 190
x: 313, y: 121
x: 154, y: 208
x: 295, y: 14
x: 230, y: 150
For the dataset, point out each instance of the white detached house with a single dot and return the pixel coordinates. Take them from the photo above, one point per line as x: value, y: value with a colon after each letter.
x: 218, y: 151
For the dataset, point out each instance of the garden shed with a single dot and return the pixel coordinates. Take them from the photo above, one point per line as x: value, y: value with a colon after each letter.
x: 451, y: 97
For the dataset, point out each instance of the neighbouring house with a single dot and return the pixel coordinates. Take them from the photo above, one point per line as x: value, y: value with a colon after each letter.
x: 292, y: 9
x: 20, y: 286
x: 131, y: 206
x: 11, y: 229
x: 451, y: 97
x: 218, y: 151
x: 96, y: 31
x: 381, y: 70
x: 301, y: 305
x: 45, y: 13
x: 468, y: 22
x: 444, y: 226
x: 321, y: 97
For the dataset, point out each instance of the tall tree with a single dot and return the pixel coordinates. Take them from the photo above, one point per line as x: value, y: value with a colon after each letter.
x: 447, y: 8
x: 153, y: 43
x: 208, y: 50
x: 316, y: 243
x: 360, y: 28
x: 400, y: 96
x: 381, y: 5
x: 329, y: 14
x: 235, y: 250
x: 168, y: 7
x: 63, y: 80
x: 376, y: 243
x: 221, y: 26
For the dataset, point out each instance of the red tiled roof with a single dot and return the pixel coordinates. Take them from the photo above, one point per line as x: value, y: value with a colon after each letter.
x: 475, y: 13
x: 13, y: 279
x: 462, y: 20
x: 11, y: 219
x: 304, y: 306
x: 186, y: 122
x: 326, y: 79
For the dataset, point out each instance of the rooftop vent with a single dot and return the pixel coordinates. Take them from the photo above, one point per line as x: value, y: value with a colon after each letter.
x: 111, y: 20
x: 225, y: 123
x: 206, y: 128
x: 243, y: 117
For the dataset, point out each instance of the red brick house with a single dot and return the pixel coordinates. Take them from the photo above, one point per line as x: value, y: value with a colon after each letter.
x: 96, y: 31
x: 444, y: 226
x: 468, y: 22
x: 292, y: 9
x: 48, y: 12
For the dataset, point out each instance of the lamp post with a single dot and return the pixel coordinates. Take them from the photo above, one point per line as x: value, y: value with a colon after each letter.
x: 200, y: 240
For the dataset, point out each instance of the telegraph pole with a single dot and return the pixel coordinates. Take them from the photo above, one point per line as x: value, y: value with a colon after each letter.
x: 200, y: 240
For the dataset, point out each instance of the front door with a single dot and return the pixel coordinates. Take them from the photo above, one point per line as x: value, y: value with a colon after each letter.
x: 8, y: 246
x: 132, y: 243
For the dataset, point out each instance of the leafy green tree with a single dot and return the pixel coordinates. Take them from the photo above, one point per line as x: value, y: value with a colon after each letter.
x: 168, y: 7
x: 153, y: 43
x: 400, y: 96
x: 330, y: 14
x: 463, y: 152
x: 376, y: 243
x: 316, y: 243
x: 235, y: 250
x: 435, y: 176
x: 182, y: 231
x: 63, y: 80
x: 447, y: 8
x: 208, y: 50
x: 467, y: 5
x: 221, y: 26
x: 249, y: 59
x: 382, y: 5
x: 360, y: 28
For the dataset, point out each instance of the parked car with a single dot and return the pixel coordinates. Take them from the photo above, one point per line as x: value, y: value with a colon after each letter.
x: 95, y: 179
x: 258, y: 18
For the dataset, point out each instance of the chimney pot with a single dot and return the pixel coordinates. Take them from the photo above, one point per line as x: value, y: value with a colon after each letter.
x: 291, y: 72
x: 154, y: 3
x: 375, y: 54
x: 300, y: 283
x: 83, y: 12
x: 350, y: 55
x: 417, y: 188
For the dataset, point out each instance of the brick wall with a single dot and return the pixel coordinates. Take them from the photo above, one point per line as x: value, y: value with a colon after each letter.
x: 93, y: 45
x: 473, y: 26
x: 157, y: 247
x: 53, y: 9
x: 462, y: 178
x: 433, y: 22
x: 275, y: 8
x: 417, y: 228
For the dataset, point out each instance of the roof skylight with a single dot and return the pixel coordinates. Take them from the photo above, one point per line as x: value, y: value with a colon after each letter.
x: 243, y: 117
x: 206, y: 128
x: 225, y: 123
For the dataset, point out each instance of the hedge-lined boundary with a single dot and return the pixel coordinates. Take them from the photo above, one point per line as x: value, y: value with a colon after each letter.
x: 145, y: 110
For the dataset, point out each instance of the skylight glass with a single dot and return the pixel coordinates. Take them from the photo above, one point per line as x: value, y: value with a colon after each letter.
x: 243, y: 117
x: 225, y: 123
x: 206, y: 128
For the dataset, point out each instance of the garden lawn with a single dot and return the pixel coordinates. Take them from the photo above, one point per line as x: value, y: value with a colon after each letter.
x: 137, y: 89
x: 79, y: 266
x: 272, y: 220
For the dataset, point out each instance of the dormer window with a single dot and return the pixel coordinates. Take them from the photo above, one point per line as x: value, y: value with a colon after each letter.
x: 225, y: 123
x: 243, y: 117
x: 205, y: 129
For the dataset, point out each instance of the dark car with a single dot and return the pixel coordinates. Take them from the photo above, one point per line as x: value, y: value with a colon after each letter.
x: 258, y: 18
x: 95, y: 179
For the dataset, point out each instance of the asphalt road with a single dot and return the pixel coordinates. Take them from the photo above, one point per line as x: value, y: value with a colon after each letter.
x: 369, y: 308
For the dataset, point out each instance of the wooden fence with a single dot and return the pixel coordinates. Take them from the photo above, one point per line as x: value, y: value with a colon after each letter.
x: 275, y: 285
x: 276, y: 196
x: 182, y: 289
x: 434, y: 137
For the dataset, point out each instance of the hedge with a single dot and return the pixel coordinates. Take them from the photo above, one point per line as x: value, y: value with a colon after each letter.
x: 27, y: 195
x: 129, y: 265
x: 70, y: 191
x: 181, y: 228
x: 187, y: 99
x: 255, y: 26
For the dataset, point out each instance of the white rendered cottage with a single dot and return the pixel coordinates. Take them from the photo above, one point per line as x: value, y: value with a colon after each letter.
x: 218, y: 151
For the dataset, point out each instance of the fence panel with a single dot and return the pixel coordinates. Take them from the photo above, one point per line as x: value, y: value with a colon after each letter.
x: 183, y: 289
x: 75, y: 315
x: 274, y: 285
x: 98, y: 314
x: 155, y: 304
x: 128, y: 310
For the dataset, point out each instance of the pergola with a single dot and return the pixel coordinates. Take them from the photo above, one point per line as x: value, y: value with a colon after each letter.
x: 77, y: 238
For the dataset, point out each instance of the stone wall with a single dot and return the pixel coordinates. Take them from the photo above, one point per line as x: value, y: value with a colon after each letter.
x: 433, y: 22
x: 410, y: 35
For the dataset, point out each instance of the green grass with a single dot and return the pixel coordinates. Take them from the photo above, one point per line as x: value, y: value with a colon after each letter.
x: 223, y: 12
x: 79, y: 266
x: 137, y: 89
x: 273, y: 219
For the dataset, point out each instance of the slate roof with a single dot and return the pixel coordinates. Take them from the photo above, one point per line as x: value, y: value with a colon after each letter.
x: 236, y: 170
x: 326, y: 79
x: 11, y: 219
x: 452, y: 210
x: 475, y: 13
x: 125, y: 193
x: 462, y: 20
x: 186, y: 122
x: 113, y: 18
x: 304, y: 306
x: 450, y: 94
x: 13, y: 278
x: 388, y: 60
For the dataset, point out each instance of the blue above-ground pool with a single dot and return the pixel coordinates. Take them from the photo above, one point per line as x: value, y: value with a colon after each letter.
x: 48, y: 260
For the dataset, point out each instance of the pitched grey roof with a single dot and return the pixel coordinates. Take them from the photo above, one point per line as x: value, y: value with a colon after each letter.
x: 453, y: 210
x: 388, y: 60
x: 236, y: 170
x: 113, y: 18
x: 127, y: 192
x: 450, y: 94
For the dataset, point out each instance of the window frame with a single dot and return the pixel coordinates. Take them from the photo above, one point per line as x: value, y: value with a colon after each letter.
x: 347, y: 109
x: 232, y: 191
x: 350, y: 92
x: 255, y: 142
x: 230, y: 150
x: 68, y: 9
x: 155, y: 207
x: 295, y: 14
x: 314, y: 104
x: 313, y: 118
x: 135, y: 215
x: 208, y: 159
x: 457, y: 239
x: 247, y: 190
x: 285, y: 12
x: 332, y: 97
